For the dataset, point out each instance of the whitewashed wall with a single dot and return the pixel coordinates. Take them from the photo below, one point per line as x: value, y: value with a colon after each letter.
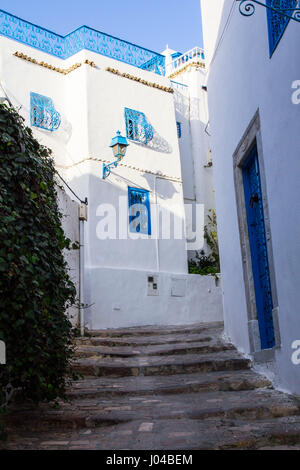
x: 182, y: 299
x: 70, y: 225
x: 242, y: 80
x: 91, y: 102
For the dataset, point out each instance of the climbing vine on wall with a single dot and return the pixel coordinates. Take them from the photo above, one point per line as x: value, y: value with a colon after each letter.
x: 35, y: 288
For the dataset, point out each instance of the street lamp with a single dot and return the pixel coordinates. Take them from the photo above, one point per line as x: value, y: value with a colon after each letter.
x: 119, y: 146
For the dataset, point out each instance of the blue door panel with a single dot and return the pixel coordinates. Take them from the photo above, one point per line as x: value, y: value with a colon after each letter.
x: 258, y: 248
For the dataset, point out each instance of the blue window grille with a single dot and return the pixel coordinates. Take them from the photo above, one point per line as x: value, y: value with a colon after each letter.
x: 277, y: 23
x: 42, y: 112
x: 178, y: 124
x: 137, y: 126
x: 139, y: 211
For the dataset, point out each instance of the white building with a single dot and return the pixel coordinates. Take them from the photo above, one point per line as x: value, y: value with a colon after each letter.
x: 254, y: 112
x: 76, y: 92
x: 188, y: 78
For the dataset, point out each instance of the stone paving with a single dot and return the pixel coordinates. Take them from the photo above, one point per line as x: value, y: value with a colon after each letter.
x: 161, y: 388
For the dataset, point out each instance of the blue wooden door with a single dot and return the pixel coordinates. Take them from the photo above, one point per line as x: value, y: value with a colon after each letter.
x: 258, y: 248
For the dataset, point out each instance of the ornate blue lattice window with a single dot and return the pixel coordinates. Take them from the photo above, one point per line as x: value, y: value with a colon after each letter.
x: 139, y: 211
x: 178, y: 124
x: 277, y: 23
x: 137, y: 126
x: 42, y: 112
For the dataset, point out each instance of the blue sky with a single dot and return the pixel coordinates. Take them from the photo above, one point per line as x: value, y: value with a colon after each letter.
x: 152, y: 23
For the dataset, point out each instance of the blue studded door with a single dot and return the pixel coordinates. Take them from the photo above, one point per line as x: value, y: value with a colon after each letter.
x: 258, y: 248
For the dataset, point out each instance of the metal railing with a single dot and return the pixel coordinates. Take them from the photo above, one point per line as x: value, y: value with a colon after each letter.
x: 195, y: 54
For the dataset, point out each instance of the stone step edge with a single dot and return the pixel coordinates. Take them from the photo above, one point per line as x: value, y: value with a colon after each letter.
x: 220, y: 385
x: 80, y: 420
x: 99, y: 369
x: 126, y: 342
x: 156, y: 331
x: 91, y: 351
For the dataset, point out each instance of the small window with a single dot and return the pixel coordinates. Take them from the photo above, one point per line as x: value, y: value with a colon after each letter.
x: 277, y: 23
x: 137, y: 126
x: 139, y: 211
x: 178, y: 124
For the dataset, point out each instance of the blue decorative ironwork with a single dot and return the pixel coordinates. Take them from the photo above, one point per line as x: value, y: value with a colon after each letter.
x: 82, y: 38
x: 137, y: 126
x: 277, y: 23
x: 283, y: 8
x: 139, y: 211
x: 119, y: 145
x: 43, y: 113
x: 178, y: 124
x: 156, y: 65
x: 258, y: 248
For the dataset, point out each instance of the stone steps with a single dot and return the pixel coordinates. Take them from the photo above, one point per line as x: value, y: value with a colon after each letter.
x: 210, y: 434
x: 84, y: 351
x: 154, y: 388
x: 161, y: 365
x: 139, y: 341
x: 169, y: 384
x: 243, y: 405
x: 158, y: 330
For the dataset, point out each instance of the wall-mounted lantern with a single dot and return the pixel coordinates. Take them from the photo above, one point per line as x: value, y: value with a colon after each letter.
x: 119, y: 146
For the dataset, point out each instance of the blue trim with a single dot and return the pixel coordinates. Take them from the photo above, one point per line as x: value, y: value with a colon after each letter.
x: 258, y: 248
x: 178, y: 83
x: 141, y: 197
x: 81, y: 38
x: 175, y: 55
x: 178, y: 125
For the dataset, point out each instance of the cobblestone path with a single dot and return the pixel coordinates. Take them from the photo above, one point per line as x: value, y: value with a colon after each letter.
x: 161, y: 388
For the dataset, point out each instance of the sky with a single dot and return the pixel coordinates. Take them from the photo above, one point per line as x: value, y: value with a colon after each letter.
x: 152, y: 24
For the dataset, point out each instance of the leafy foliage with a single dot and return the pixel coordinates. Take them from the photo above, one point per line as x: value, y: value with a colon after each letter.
x: 208, y: 264
x: 35, y: 288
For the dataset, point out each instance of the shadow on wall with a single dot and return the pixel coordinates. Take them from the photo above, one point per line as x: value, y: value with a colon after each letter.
x: 157, y: 143
x: 169, y: 187
x: 62, y: 134
x: 187, y: 107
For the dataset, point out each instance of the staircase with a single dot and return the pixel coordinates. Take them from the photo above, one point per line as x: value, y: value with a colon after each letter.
x: 161, y: 388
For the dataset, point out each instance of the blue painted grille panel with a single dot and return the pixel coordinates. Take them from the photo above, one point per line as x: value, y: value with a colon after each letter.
x: 277, y: 23
x: 137, y: 126
x: 43, y: 113
x: 258, y: 247
x: 82, y: 38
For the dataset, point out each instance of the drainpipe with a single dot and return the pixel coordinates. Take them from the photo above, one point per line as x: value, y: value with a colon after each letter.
x: 82, y: 214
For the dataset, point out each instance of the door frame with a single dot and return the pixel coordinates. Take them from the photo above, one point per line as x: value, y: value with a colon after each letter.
x: 252, y: 134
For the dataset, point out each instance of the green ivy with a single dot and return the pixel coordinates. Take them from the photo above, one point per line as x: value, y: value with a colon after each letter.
x: 35, y: 288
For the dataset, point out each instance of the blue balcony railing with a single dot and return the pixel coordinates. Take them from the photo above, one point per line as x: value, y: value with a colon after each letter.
x: 82, y: 38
